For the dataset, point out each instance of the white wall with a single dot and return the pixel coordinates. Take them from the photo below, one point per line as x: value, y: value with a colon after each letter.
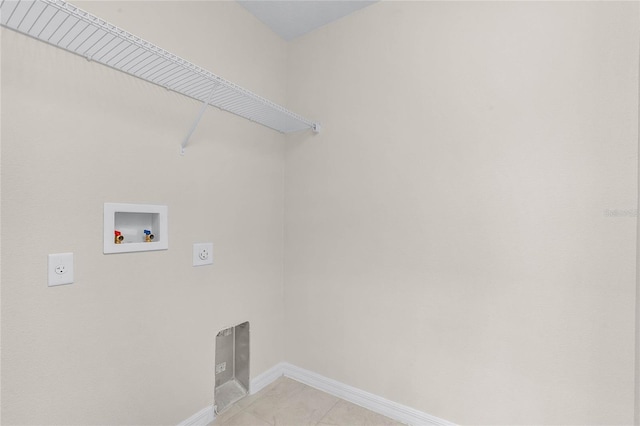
x: 447, y: 246
x: 132, y: 340
x: 446, y: 242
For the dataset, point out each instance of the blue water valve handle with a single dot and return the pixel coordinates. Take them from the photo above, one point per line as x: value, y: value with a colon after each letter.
x: 148, y: 236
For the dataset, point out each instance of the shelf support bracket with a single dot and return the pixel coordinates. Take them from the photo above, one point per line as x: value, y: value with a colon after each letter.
x: 183, y: 145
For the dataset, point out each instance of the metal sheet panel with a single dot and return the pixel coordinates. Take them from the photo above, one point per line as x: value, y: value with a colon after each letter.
x: 232, y: 365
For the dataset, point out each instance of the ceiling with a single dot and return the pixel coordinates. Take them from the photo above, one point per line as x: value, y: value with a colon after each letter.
x: 293, y: 18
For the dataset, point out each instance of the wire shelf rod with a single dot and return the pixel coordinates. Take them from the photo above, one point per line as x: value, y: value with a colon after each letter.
x: 134, y: 50
x: 156, y: 69
x: 175, y: 68
x: 201, y: 90
x: 140, y: 58
x: 35, y: 20
x: 173, y: 77
x: 26, y: 14
x: 156, y: 75
x: 189, y: 82
x: 124, y: 53
x: 114, y: 56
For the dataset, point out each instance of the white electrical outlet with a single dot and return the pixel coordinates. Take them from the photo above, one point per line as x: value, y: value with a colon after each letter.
x: 60, y: 269
x: 202, y: 254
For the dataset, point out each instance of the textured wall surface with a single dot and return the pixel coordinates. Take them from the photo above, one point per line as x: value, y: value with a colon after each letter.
x: 457, y: 239
x: 132, y: 340
x: 452, y: 241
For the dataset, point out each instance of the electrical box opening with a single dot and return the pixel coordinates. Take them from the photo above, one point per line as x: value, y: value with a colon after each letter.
x: 232, y: 366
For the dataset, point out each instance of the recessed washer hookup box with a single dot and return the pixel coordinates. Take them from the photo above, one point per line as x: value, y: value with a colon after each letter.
x: 135, y: 227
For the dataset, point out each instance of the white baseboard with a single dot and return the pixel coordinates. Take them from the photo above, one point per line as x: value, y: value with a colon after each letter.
x: 207, y: 415
x: 201, y: 418
x: 260, y: 382
x: 372, y: 402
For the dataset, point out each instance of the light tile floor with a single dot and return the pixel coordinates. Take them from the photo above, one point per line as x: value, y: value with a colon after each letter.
x: 286, y: 402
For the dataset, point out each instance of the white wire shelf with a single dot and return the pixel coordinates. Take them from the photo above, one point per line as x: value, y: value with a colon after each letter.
x: 63, y: 25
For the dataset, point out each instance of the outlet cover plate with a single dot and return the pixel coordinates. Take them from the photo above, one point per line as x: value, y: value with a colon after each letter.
x: 60, y: 269
x: 202, y: 254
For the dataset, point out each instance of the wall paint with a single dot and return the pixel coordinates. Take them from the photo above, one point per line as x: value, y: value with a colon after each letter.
x: 132, y: 340
x: 482, y: 210
x: 446, y: 241
x: 637, y: 367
